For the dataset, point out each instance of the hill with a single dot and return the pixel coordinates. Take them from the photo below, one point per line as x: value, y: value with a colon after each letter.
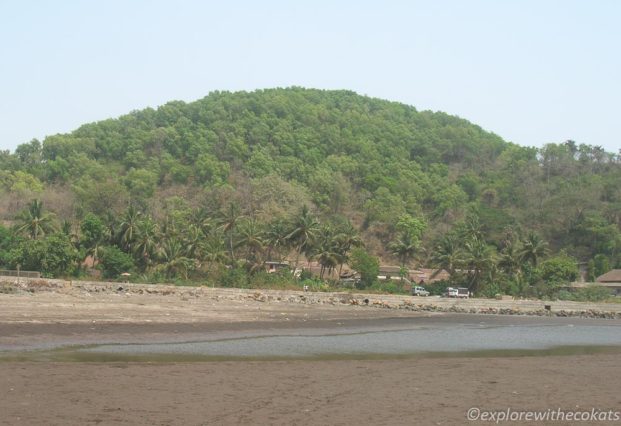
x: 382, y: 168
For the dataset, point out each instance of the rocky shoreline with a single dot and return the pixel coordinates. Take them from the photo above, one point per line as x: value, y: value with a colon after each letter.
x: 377, y: 301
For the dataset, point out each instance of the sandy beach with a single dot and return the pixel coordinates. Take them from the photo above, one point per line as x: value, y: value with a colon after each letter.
x: 434, y: 390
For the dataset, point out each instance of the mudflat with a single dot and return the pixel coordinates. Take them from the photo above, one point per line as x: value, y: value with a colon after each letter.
x: 378, y: 390
x: 350, y: 392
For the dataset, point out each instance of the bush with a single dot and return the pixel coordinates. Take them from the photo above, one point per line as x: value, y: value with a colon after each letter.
x: 282, y: 279
x: 558, y: 269
x: 316, y: 285
x: 490, y: 290
x: 236, y: 278
x: 53, y: 256
x: 594, y: 293
x: 437, y: 288
x: 366, y: 265
x: 113, y: 262
x: 388, y: 286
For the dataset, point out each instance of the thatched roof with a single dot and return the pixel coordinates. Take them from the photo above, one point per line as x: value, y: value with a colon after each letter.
x: 613, y: 276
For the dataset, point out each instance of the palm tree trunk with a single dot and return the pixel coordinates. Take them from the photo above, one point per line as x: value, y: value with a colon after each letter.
x: 231, y: 247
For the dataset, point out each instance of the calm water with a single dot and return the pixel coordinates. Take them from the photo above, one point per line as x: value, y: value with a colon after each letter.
x: 415, y: 340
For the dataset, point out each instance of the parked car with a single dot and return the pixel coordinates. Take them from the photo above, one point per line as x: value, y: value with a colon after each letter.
x: 419, y: 291
x: 458, y: 292
x: 450, y: 292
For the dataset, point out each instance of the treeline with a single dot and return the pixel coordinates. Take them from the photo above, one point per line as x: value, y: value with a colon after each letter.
x: 352, y: 160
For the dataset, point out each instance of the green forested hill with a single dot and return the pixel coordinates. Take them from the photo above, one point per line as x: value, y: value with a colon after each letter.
x: 383, y: 169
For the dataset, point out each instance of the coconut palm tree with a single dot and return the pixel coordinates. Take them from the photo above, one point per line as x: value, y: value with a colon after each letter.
x: 128, y: 226
x: 404, y: 246
x: 173, y: 259
x: 326, y: 250
x: 145, y: 242
x: 193, y: 239
x: 304, y: 230
x: 34, y: 221
x: 228, y: 222
x: 447, y: 256
x: 510, y: 260
x: 214, y: 249
x: 111, y: 223
x: 67, y: 229
x: 347, y: 238
x: 251, y: 236
x: 533, y: 249
x: 203, y: 219
x: 276, y: 238
x: 478, y: 259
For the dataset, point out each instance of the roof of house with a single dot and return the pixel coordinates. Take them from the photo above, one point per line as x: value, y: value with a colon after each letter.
x: 612, y: 285
x: 386, y: 269
x: 613, y: 276
x: 427, y: 275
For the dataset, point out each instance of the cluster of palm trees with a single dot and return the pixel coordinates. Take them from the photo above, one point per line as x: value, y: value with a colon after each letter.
x: 187, y: 241
x: 204, y: 240
x: 468, y: 258
x: 198, y: 241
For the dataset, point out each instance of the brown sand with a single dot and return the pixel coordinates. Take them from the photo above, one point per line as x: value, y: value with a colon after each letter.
x: 421, y: 391
x: 381, y: 392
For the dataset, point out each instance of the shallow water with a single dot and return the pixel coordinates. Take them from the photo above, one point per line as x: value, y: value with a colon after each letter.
x: 432, y: 339
x: 441, y: 335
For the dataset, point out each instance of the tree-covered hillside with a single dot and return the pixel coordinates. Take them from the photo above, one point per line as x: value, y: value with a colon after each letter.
x: 235, y: 166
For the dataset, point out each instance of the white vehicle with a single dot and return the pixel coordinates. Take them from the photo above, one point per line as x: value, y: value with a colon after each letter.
x: 419, y: 291
x: 457, y: 292
x: 463, y: 293
x: 451, y: 292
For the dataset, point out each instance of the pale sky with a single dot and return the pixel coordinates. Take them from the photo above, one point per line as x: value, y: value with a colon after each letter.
x: 531, y: 71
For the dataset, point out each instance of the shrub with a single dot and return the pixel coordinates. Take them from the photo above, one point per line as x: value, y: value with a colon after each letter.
x: 366, y: 265
x: 236, y: 278
x: 113, y: 262
x: 388, y: 286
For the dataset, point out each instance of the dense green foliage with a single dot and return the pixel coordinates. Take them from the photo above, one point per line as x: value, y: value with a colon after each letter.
x: 114, y: 262
x: 53, y: 255
x: 367, y: 265
x: 238, y: 178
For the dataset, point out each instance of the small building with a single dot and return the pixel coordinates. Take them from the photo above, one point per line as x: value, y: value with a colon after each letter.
x: 391, y: 272
x: 420, y: 276
x: 275, y: 266
x: 430, y: 276
x: 613, y: 276
x: 611, y: 280
x: 337, y: 273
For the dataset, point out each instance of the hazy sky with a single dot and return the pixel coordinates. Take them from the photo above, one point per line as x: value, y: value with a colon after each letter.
x: 531, y: 71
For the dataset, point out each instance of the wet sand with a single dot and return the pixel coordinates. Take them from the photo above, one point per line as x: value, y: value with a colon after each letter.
x: 380, y: 391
